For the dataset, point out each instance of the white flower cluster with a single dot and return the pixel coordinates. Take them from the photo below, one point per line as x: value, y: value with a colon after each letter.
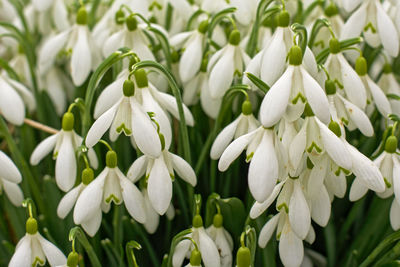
x: 310, y: 85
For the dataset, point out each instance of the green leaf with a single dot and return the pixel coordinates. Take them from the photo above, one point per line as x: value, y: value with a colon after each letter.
x: 393, y: 96
x: 234, y: 213
x: 258, y: 82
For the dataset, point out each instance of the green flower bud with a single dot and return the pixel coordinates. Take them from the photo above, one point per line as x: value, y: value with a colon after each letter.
x: 308, y: 111
x: 87, y: 175
x: 331, y: 10
x: 247, y: 108
x: 119, y: 17
x: 81, y: 16
x: 283, y: 19
x: 68, y: 121
x: 203, y: 26
x: 243, y: 257
x: 195, y: 258
x: 391, y: 144
x: 141, y: 78
x: 197, y: 221
x: 387, y: 68
x: 73, y: 259
x: 335, y: 128
x: 111, y: 159
x: 295, y: 55
x: 330, y: 87
x: 334, y: 46
x: 131, y: 23
x: 234, y: 37
x: 218, y: 220
x: 31, y: 226
x: 128, y: 88
x: 361, y: 66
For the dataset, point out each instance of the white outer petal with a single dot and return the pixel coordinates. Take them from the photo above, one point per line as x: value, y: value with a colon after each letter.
x: 267, y: 231
x: 66, y: 164
x: 184, y: 170
x: 159, y: 186
x: 223, y: 139
x: 81, y: 58
x: 387, y: 32
x: 299, y: 212
x: 53, y: 254
x: 8, y: 170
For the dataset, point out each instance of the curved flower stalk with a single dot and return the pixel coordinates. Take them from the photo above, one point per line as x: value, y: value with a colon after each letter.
x: 13, y: 98
x: 209, y: 251
x: 85, y: 54
x: 10, y: 177
x: 242, y: 125
x: 390, y: 86
x: 287, y: 97
x: 64, y: 143
x: 110, y: 185
x: 371, y: 19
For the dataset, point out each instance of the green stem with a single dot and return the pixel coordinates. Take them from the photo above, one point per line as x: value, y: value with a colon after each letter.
x: 146, y: 243
x: 130, y: 252
x: 77, y: 232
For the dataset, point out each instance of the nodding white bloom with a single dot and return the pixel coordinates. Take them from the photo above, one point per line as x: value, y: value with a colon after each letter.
x: 346, y: 112
x: 261, y: 146
x: 111, y: 185
x: 10, y: 177
x: 209, y: 251
x: 288, y: 96
x: 389, y: 85
x: 340, y: 71
x: 270, y: 62
x: 51, y: 12
x: 192, y: 43
x: 85, y: 55
x: 33, y: 249
x: 20, y: 65
x: 64, y: 143
x: 131, y: 36
x: 375, y: 94
x: 371, y: 19
x: 159, y: 174
x: 222, y: 240
x: 13, y: 97
x: 243, y: 124
x: 225, y: 64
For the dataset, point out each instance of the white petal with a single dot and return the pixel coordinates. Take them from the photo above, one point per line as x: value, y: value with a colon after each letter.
x: 359, y: 118
x: 396, y: 177
x: 208, y: 250
x: 11, y: 105
x: 53, y: 254
x: 221, y: 75
x: 381, y: 102
x: 92, y: 225
x: 183, y: 169
x: 66, y: 164
x: 43, y: 148
x: 22, y: 255
x: 159, y: 186
x: 258, y: 208
x: 133, y: 199
x: 24, y: 92
x: 223, y: 139
x: 8, y: 170
x: 267, y: 231
x: 50, y: 49
x: 108, y: 97
x: 349, y: 5
x: 299, y: 212
x: 395, y: 215
x: 14, y: 192
x: 387, y: 32
x: 276, y: 100
x: 137, y: 169
x: 298, y: 146
x: 114, y: 42
x: 100, y: 126
x: 180, y: 252
x: 191, y: 58
x: 321, y: 207
x: 357, y: 190
x: 81, y: 58
x: 68, y: 201
x: 291, y: 250
x: 355, y: 24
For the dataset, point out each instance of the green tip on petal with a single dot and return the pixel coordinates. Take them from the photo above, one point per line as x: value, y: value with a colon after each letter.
x: 73, y: 259
x: 335, y: 128
x: 391, y: 144
x: 31, y: 226
x: 283, y: 19
x: 203, y: 26
x: 243, y: 257
x: 68, y: 121
x: 334, y: 46
x: 308, y: 111
x: 234, y: 37
x: 128, y: 88
x: 87, y: 175
x: 131, y: 23
x: 247, y: 108
x: 81, y: 16
x: 195, y: 258
x: 111, y: 159
x: 361, y: 66
x: 330, y: 87
x: 197, y: 221
x: 141, y: 78
x: 295, y: 55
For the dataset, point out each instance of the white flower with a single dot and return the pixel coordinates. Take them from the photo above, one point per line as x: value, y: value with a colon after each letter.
x: 224, y: 64
x: 51, y: 12
x: 388, y: 83
x: 159, y: 172
x: 64, y: 143
x: 371, y: 19
x: 111, y: 185
x: 288, y: 96
x: 222, y: 240
x: 10, y: 177
x: 33, y: 249
x: 13, y: 97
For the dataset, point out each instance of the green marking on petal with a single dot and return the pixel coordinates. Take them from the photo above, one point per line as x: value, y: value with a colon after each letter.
x: 371, y: 27
x: 123, y: 128
x: 299, y: 96
x: 388, y: 185
x: 38, y: 261
x: 314, y: 146
x: 249, y: 157
x: 283, y: 205
x: 112, y: 197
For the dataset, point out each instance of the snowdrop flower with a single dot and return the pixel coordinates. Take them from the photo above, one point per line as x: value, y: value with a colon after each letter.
x: 243, y: 124
x: 13, y: 97
x: 371, y: 19
x: 346, y: 112
x: 85, y: 55
x: 33, y: 249
x: 288, y: 96
x: 159, y: 172
x: 388, y: 83
x: 10, y: 177
x: 192, y: 43
x: 20, y: 65
x: 51, y: 12
x: 375, y: 94
x: 224, y: 64
x: 64, y: 143
x: 72, y: 260
x: 222, y: 240
x: 270, y: 62
x: 111, y: 185
x: 206, y: 246
x: 131, y: 36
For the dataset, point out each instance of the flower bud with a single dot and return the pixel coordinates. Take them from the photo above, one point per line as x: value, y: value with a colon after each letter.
x: 131, y: 23
x: 391, y: 144
x: 295, y: 55
x: 203, y: 26
x: 87, y: 175
x: 334, y: 46
x: 68, y: 121
x: 283, y: 19
x: 234, y: 37
x: 73, y: 259
x: 243, y: 257
x: 128, y: 88
x: 361, y: 66
x: 119, y: 16
x: 195, y: 258
x: 81, y: 16
x: 141, y: 78
x: 31, y: 226
x: 247, y: 108
x: 197, y: 221
x: 308, y: 111
x: 111, y: 159
x: 335, y: 128
x: 218, y: 220
x: 330, y: 87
